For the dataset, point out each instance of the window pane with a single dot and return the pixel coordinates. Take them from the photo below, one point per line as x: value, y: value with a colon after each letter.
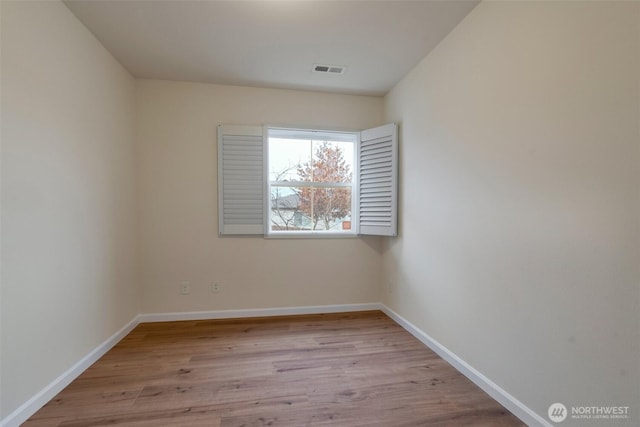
x: 309, y: 160
x: 310, y: 209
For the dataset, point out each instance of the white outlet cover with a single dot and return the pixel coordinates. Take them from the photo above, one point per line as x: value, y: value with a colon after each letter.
x: 185, y: 288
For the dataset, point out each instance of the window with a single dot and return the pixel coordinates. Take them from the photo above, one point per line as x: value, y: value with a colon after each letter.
x: 311, y: 181
x: 287, y: 182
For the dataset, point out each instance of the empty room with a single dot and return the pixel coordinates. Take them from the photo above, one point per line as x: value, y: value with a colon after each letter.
x: 319, y: 213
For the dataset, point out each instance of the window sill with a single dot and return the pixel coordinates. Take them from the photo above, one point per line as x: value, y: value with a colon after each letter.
x: 311, y: 235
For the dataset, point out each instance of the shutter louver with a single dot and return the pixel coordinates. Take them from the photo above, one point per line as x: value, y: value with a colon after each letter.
x: 377, y: 183
x: 240, y: 180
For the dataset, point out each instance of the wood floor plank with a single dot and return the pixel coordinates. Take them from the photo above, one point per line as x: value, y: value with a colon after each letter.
x: 345, y: 369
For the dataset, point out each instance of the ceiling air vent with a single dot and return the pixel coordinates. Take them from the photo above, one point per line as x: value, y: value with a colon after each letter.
x: 328, y: 69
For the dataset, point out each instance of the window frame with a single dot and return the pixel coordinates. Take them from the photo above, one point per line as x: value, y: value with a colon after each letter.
x: 304, y: 133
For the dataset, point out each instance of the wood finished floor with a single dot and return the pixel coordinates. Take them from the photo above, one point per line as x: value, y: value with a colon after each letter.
x: 347, y: 369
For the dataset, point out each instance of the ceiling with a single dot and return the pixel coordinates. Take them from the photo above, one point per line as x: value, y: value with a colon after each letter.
x: 272, y: 43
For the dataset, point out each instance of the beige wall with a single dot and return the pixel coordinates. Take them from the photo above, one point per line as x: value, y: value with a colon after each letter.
x: 177, y: 173
x: 68, y: 207
x: 520, y: 202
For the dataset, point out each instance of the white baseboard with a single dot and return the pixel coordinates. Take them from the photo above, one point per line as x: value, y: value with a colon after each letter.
x: 31, y: 406
x: 516, y: 407
x: 256, y: 312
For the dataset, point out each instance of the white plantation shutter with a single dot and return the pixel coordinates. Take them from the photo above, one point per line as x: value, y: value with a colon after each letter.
x: 377, y: 181
x: 240, y: 180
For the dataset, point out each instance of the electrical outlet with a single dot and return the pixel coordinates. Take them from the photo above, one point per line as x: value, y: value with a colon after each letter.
x: 215, y: 287
x: 185, y: 288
